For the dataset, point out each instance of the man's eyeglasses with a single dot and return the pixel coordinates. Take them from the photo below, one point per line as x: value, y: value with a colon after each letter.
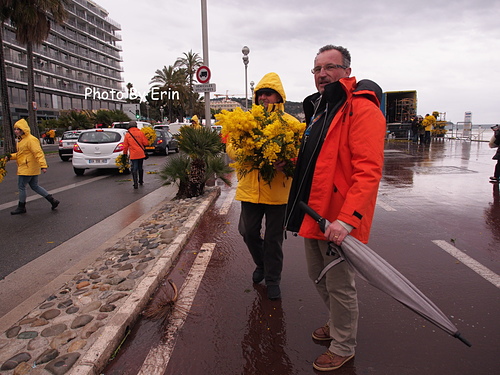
x: 327, y: 68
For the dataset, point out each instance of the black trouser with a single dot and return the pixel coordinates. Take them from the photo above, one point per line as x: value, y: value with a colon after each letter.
x: 267, y: 252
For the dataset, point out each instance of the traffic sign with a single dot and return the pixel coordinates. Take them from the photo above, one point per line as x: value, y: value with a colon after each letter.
x: 203, y: 74
x: 206, y: 87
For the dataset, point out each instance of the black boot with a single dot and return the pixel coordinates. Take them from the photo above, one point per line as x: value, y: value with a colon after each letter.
x: 21, y: 209
x: 53, y: 202
x: 141, y: 176
x: 134, y: 177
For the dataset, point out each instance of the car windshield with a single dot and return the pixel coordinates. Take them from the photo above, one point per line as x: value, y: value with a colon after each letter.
x: 100, y: 137
x: 121, y: 125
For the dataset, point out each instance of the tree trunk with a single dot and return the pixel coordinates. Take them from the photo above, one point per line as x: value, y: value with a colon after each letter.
x: 9, y: 145
x: 31, y: 92
x: 196, y: 178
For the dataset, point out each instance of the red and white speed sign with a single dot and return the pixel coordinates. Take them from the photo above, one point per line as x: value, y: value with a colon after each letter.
x: 203, y: 74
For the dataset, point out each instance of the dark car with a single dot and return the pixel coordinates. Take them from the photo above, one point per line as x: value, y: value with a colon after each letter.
x: 66, y: 144
x: 164, y: 143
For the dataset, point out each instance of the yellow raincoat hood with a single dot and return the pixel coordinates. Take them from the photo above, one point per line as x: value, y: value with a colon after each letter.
x: 271, y: 81
x: 23, y: 125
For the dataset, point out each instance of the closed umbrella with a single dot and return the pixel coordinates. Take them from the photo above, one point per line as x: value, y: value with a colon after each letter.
x: 375, y: 270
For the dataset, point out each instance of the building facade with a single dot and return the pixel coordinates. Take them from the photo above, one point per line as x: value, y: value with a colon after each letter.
x: 224, y: 104
x: 77, y: 67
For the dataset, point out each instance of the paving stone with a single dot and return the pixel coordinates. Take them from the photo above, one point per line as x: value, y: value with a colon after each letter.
x: 62, y: 339
x: 50, y: 314
x: 54, y: 330
x: 26, y: 335
x: 127, y: 285
x: 72, y: 310
x: 81, y: 321
x: 12, y: 362
x: 91, y: 307
x: 12, y: 332
x: 62, y: 364
x: 40, y: 322
x: 47, y: 356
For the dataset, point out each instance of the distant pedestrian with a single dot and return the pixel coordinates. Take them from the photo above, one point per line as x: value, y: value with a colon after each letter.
x: 428, y: 123
x: 134, y: 143
x: 30, y: 161
x: 495, y: 143
x: 195, y: 122
x: 414, y: 129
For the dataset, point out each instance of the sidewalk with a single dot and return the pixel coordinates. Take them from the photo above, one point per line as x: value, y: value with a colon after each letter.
x: 78, y: 327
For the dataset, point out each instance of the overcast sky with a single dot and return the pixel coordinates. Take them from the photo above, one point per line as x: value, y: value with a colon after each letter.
x: 448, y: 51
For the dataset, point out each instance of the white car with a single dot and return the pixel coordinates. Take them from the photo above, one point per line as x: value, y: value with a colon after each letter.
x: 97, y: 148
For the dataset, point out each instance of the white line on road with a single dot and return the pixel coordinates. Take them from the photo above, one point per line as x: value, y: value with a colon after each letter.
x: 474, y: 265
x: 385, y: 206
x: 53, y: 191
x: 227, y: 202
x: 157, y: 360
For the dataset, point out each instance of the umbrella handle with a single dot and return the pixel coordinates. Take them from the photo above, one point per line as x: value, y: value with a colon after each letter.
x: 323, y: 223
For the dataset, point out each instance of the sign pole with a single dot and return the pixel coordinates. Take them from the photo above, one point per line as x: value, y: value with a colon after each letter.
x: 204, y: 27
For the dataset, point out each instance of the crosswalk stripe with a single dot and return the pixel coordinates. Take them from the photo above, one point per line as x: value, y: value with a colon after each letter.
x: 157, y: 360
x: 474, y: 265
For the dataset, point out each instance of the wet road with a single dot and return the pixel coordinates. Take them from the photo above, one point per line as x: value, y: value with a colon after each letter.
x: 427, y: 195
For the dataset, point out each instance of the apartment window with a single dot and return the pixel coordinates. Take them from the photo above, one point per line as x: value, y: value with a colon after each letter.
x: 66, y: 102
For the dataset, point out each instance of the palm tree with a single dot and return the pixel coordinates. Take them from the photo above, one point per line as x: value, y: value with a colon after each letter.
x: 170, y: 79
x: 8, y: 134
x: 200, y: 160
x: 191, y: 62
x: 31, y: 19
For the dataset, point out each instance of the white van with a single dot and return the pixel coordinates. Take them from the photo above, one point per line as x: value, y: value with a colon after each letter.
x: 124, y: 124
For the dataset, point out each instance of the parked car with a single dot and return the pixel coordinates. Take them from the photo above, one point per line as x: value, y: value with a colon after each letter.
x: 164, y: 143
x: 66, y: 144
x: 97, y: 148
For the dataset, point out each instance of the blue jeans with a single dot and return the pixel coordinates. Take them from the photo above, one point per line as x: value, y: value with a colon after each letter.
x: 22, y: 181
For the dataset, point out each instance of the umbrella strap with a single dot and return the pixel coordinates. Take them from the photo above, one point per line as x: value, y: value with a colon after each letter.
x: 333, y: 263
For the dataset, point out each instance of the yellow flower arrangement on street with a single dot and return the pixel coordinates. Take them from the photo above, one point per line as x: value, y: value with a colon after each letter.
x: 260, y: 138
x: 150, y: 134
x: 122, y: 162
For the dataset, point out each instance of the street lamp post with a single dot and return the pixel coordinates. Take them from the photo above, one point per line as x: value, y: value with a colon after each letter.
x: 161, y: 112
x: 245, y: 52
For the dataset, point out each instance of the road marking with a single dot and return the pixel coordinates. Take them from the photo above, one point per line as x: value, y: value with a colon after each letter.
x: 157, y: 360
x: 474, y: 265
x: 53, y: 191
x: 385, y: 206
x: 227, y: 202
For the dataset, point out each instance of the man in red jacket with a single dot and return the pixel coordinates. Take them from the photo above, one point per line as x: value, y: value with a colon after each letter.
x: 338, y: 171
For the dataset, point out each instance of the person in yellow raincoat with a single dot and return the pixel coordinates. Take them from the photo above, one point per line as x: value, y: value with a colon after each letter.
x: 195, y: 122
x: 30, y: 163
x: 260, y: 199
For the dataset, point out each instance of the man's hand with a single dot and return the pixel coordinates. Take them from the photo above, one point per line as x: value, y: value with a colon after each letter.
x: 44, y: 170
x: 336, y: 233
x: 279, y: 165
